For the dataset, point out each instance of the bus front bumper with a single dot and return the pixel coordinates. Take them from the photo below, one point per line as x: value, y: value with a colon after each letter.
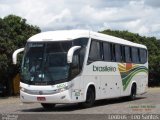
x: 62, y: 97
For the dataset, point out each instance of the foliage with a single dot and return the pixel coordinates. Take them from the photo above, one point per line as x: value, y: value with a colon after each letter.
x: 153, y: 46
x: 14, y: 31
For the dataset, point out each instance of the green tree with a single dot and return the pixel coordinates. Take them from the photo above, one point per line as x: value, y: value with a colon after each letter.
x: 14, y: 32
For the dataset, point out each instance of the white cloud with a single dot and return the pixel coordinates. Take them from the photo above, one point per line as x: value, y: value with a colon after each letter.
x: 139, y: 16
x: 153, y: 3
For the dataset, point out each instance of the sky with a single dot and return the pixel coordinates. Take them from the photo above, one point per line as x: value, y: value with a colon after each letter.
x: 137, y: 16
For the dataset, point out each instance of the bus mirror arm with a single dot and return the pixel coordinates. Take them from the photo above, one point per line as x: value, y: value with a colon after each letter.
x: 14, y: 56
x: 71, y: 52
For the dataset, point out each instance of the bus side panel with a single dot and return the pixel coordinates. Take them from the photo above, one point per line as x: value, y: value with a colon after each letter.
x: 139, y: 81
x: 138, y: 75
x: 142, y: 86
x: 105, y: 76
x: 91, y: 80
x: 110, y: 86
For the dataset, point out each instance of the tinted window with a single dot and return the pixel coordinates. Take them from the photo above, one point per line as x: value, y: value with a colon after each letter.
x: 143, y: 55
x: 118, y: 53
x: 83, y: 43
x: 75, y: 70
x: 81, y: 56
x: 135, y: 56
x: 127, y: 54
x: 107, y: 51
x: 80, y: 42
x: 58, y: 46
x: 95, y: 53
x: 113, y: 53
x: 123, y: 53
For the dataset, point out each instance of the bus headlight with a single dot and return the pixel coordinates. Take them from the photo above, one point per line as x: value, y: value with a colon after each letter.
x: 64, y: 88
x: 23, y: 89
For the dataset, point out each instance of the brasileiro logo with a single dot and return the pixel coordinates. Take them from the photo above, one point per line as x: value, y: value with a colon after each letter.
x: 104, y: 69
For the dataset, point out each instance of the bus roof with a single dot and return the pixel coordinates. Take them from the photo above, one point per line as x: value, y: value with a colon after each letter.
x: 67, y: 35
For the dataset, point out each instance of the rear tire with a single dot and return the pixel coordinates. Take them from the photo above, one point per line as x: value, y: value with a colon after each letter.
x: 90, y: 98
x: 133, y: 92
x: 48, y: 106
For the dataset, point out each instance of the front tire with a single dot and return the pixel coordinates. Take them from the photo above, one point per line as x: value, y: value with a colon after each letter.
x: 48, y: 106
x: 90, y: 98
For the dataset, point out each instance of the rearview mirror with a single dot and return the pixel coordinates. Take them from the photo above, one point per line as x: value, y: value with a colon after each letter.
x: 71, y: 52
x: 14, y: 56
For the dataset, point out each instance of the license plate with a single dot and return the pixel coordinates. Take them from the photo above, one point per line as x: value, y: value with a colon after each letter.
x: 41, y: 98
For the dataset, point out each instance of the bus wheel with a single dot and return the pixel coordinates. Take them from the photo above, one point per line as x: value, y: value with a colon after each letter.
x: 133, y: 92
x: 90, y: 98
x: 48, y: 106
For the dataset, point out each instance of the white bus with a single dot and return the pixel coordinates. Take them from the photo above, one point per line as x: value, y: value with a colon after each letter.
x: 80, y: 66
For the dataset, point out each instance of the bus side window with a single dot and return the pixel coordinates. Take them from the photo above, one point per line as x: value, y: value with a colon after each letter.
x: 135, y: 58
x: 118, y: 53
x: 113, y: 53
x: 130, y: 51
x: 122, y: 53
x: 107, y: 51
x: 143, y: 56
x: 139, y: 57
x: 127, y: 54
x: 95, y: 52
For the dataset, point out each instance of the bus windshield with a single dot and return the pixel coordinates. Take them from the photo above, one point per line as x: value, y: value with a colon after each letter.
x: 45, y: 63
